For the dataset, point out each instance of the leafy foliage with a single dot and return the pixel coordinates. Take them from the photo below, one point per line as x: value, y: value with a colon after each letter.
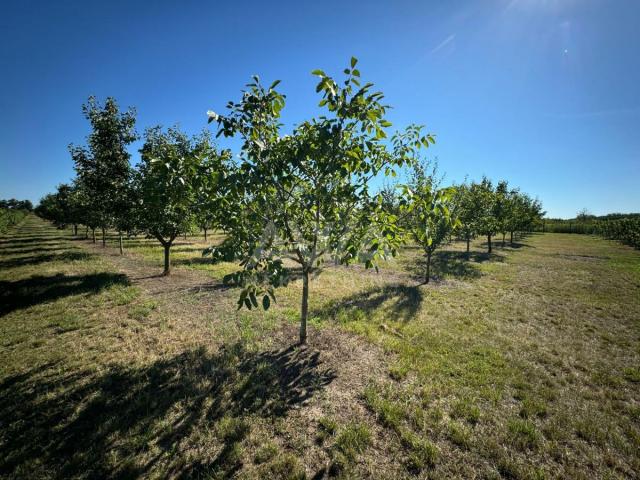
x: 13, y: 204
x: 175, y: 173
x: 305, y: 196
x: 292, y: 200
x: 429, y: 210
x: 102, y: 166
x: 625, y: 230
x: 10, y: 217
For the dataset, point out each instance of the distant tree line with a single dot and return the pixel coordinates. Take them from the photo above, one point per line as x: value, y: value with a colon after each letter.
x: 286, y: 202
x: 13, y: 204
x: 624, y: 227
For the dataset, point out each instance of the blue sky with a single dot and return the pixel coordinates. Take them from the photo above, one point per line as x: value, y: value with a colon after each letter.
x: 543, y: 93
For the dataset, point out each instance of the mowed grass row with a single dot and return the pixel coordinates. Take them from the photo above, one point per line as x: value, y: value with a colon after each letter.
x: 99, y: 379
x: 522, y: 364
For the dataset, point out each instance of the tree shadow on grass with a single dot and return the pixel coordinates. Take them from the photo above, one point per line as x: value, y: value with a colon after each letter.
x: 453, y: 264
x: 516, y: 245
x: 27, y: 251
x: 497, y: 244
x: 143, y: 421
x: 406, y: 302
x: 195, y: 249
x: 194, y: 261
x: 69, y: 256
x: 17, y: 241
x: 39, y: 289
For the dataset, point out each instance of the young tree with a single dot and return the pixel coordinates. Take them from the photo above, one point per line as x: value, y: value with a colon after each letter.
x: 84, y: 204
x: 468, y: 199
x: 531, y: 213
x: 487, y: 224
x: 429, y: 211
x: 167, y: 183
x: 102, y: 167
x: 68, y: 206
x: 502, y: 206
x: 307, y: 193
x: 47, y: 208
x: 61, y: 207
x: 214, y: 192
x: 127, y: 220
x: 517, y: 217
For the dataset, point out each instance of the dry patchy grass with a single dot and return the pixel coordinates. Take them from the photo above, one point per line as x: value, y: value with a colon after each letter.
x: 521, y: 364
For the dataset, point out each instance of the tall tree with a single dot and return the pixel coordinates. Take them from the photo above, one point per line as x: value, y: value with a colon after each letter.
x: 308, y: 192
x: 102, y: 166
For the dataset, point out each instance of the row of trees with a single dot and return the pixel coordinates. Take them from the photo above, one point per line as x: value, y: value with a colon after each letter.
x: 12, y: 212
x: 589, y: 224
x: 172, y: 191
x: 432, y: 215
x: 304, y: 196
x: 625, y: 230
x: 10, y: 217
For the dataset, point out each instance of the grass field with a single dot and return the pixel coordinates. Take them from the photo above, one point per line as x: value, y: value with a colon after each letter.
x: 521, y: 364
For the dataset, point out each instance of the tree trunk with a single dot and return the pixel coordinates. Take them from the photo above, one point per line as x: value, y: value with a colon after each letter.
x: 185, y: 235
x: 428, y: 270
x: 93, y: 233
x: 468, y: 241
x: 75, y: 229
x: 104, y: 237
x: 304, y: 310
x: 167, y: 261
x: 511, y: 239
x: 503, y: 235
x: 489, y: 242
x: 86, y: 232
x: 120, y: 243
x: 205, y: 234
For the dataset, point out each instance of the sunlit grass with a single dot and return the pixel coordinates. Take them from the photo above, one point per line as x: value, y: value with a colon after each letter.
x: 522, y: 364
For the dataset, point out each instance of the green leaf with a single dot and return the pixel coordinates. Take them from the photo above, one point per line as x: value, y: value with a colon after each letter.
x: 320, y: 73
x: 266, y: 302
x: 253, y: 298
x: 354, y: 60
x: 272, y: 294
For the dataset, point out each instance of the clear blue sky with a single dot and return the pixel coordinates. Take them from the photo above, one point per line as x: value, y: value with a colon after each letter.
x: 543, y: 93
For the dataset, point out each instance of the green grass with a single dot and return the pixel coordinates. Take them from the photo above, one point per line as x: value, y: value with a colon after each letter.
x: 522, y: 364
